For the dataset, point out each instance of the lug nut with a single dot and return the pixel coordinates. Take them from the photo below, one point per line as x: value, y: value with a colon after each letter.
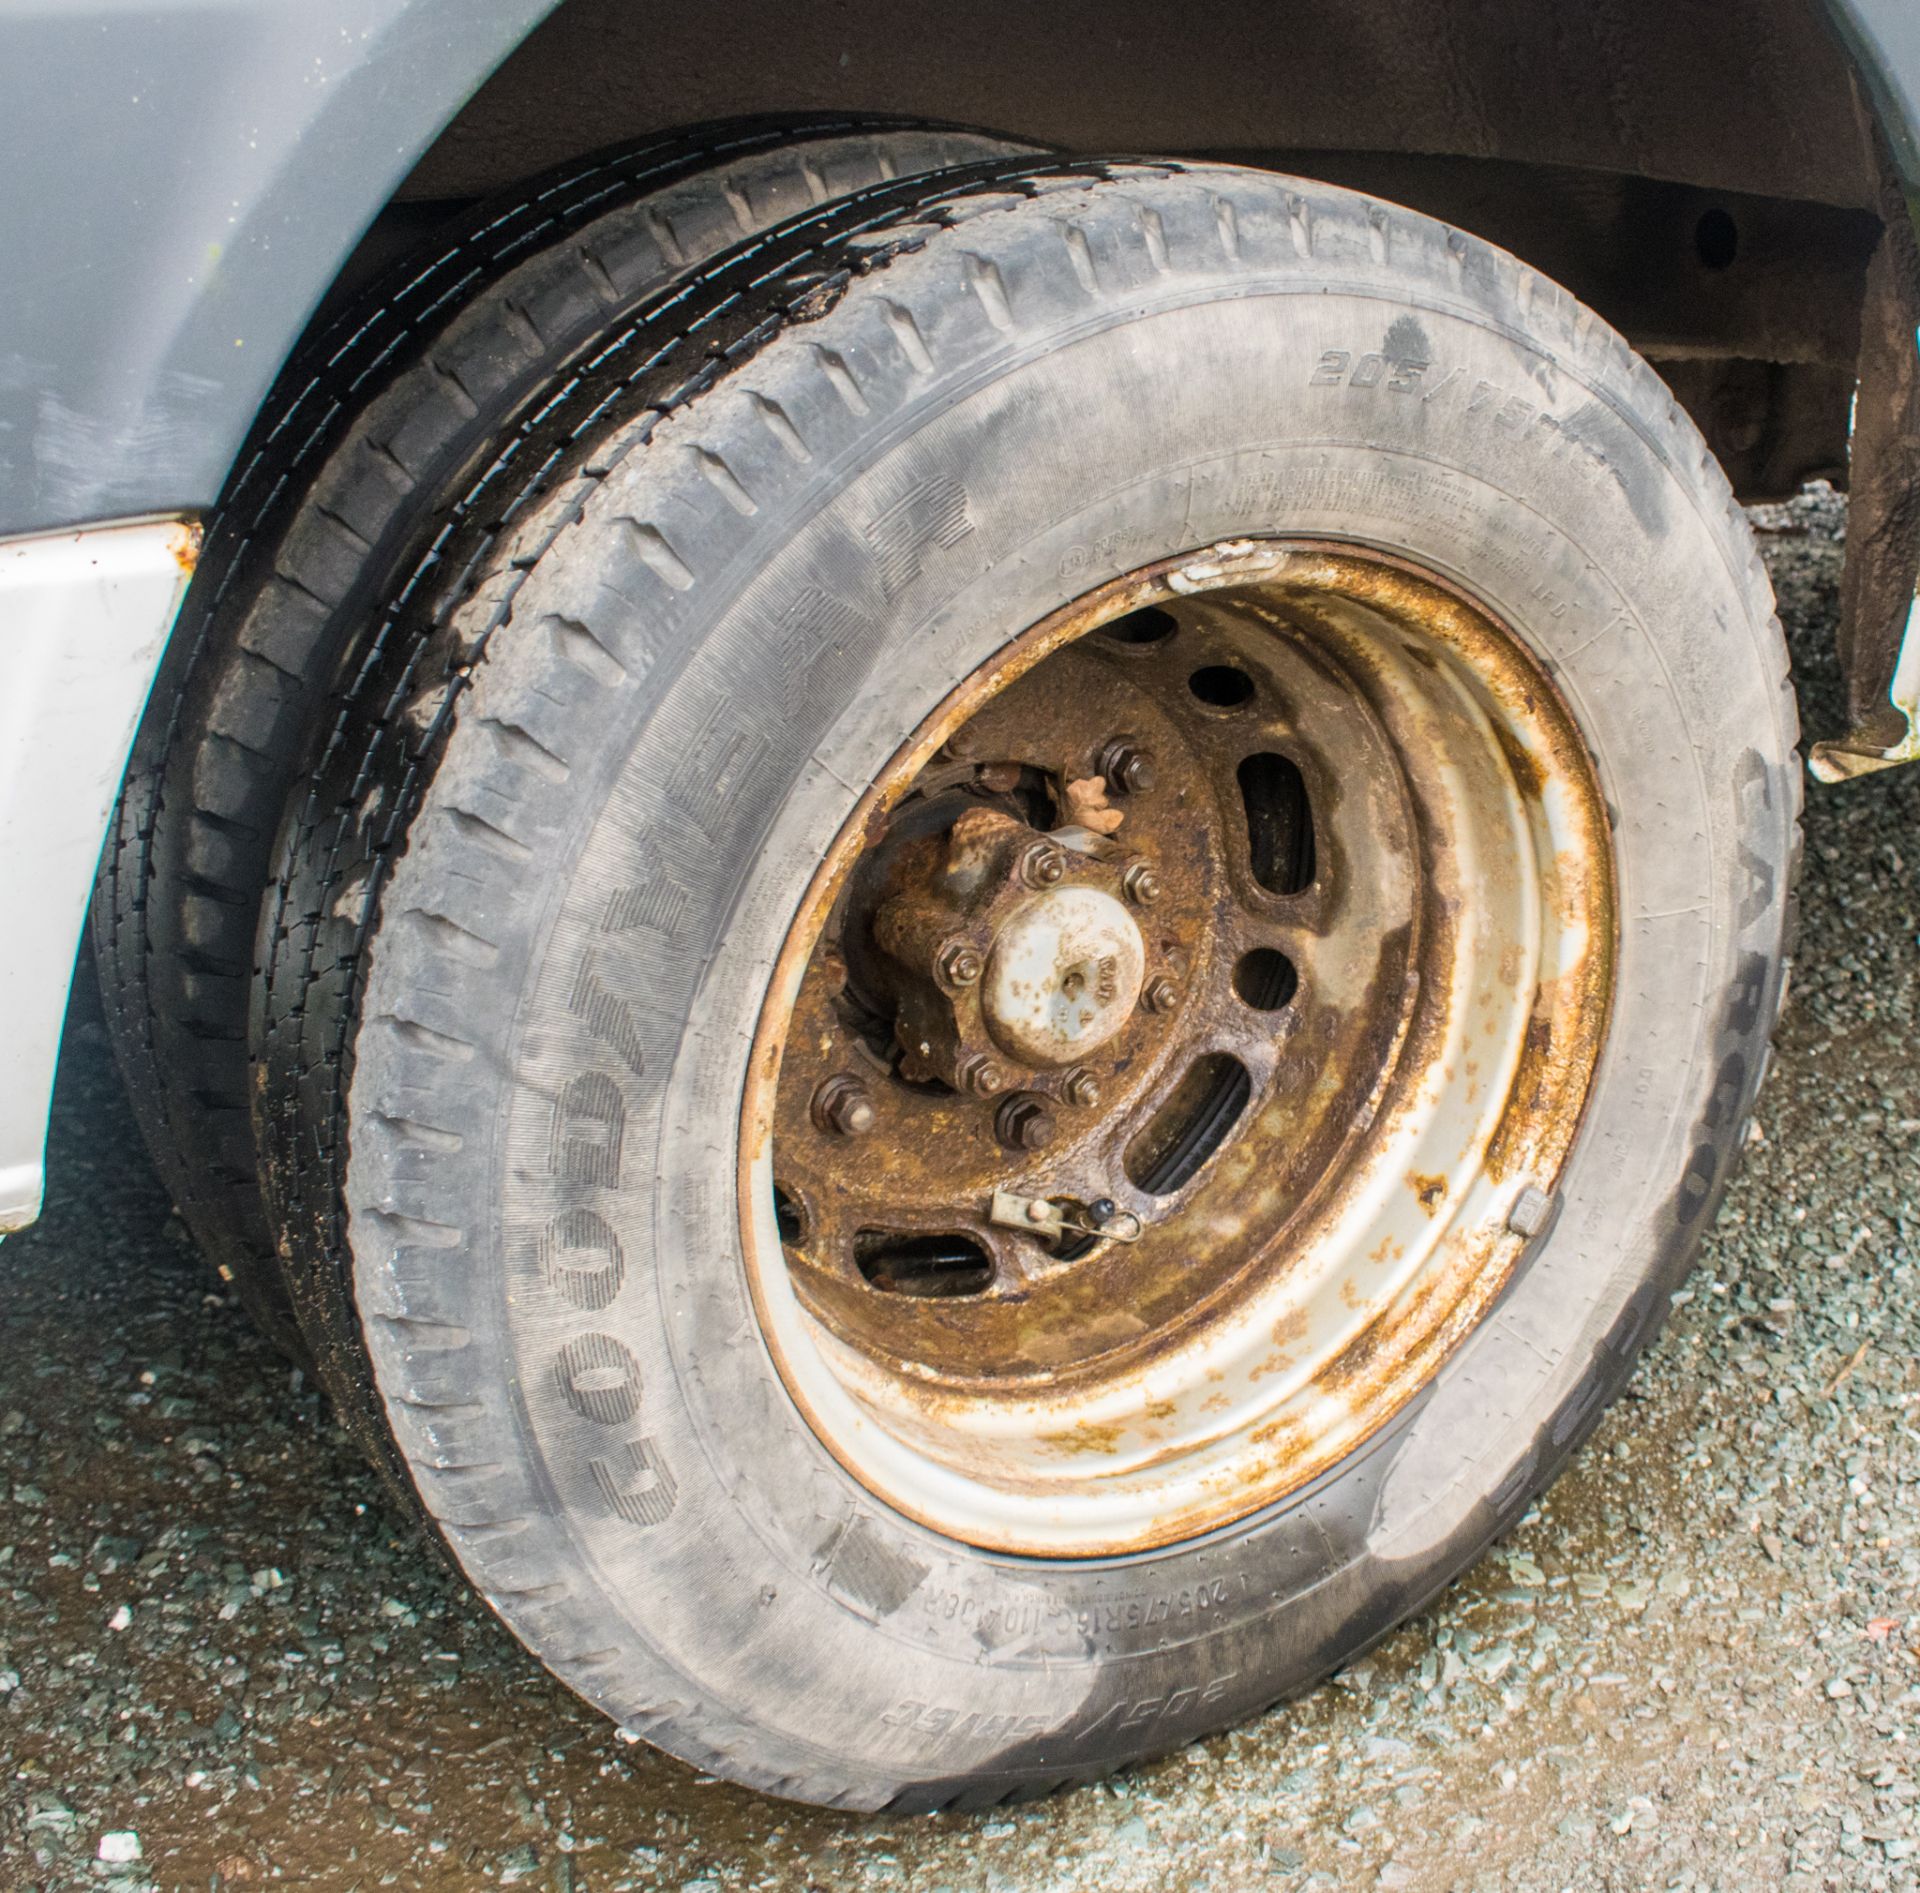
x: 980, y: 1075
x: 1141, y: 885
x: 1082, y: 1088
x: 844, y: 1106
x: 1042, y: 865
x: 1160, y: 994
x: 1128, y: 768
x: 1023, y: 1122
x: 959, y: 963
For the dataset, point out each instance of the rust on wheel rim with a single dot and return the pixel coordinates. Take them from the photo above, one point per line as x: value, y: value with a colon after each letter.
x: 1176, y: 1049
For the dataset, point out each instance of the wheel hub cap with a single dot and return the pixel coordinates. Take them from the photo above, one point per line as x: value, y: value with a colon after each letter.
x: 1064, y: 975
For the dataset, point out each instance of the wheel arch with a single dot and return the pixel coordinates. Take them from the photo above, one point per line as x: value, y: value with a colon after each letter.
x: 264, y: 143
x: 236, y: 154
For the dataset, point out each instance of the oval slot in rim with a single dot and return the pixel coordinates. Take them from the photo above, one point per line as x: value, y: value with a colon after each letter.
x: 1279, y: 822
x: 930, y: 1266
x: 1191, y: 1125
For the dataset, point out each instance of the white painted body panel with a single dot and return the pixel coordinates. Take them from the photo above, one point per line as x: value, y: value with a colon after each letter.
x: 84, y: 617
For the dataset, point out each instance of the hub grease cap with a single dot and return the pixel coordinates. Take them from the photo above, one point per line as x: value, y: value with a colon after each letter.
x: 1064, y: 975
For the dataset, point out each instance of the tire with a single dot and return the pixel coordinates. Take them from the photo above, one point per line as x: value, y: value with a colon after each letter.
x: 364, y: 457
x: 504, y: 1023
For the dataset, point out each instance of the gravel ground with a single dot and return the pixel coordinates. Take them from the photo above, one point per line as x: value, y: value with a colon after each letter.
x: 1695, y: 1665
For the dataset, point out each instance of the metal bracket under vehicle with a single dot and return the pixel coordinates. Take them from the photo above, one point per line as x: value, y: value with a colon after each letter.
x: 1891, y: 735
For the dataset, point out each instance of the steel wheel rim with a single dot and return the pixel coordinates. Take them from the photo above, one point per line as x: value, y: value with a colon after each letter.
x: 1456, y: 924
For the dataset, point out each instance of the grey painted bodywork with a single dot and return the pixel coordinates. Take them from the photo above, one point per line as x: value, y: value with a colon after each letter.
x: 1885, y: 37
x: 182, y: 183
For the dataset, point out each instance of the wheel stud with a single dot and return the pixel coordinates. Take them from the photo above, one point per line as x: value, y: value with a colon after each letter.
x: 1160, y: 994
x: 1141, y: 884
x: 844, y: 1106
x: 959, y: 963
x: 1023, y: 1122
x: 1128, y: 768
x: 982, y: 1076
x: 1042, y: 865
x: 1082, y: 1088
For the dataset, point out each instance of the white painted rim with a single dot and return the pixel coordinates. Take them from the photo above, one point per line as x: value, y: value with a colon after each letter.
x: 1253, y: 1401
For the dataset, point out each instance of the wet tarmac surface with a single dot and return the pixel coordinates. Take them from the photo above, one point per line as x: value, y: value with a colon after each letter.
x: 224, y: 1663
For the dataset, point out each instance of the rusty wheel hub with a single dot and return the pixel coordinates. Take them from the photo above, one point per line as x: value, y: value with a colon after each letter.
x: 1170, y: 1059
x: 996, y: 949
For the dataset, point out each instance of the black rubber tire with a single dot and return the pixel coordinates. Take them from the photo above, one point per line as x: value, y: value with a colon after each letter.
x: 364, y: 457
x: 503, y: 1020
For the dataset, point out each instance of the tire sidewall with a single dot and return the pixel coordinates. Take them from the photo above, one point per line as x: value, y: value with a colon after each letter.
x: 1103, y: 435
